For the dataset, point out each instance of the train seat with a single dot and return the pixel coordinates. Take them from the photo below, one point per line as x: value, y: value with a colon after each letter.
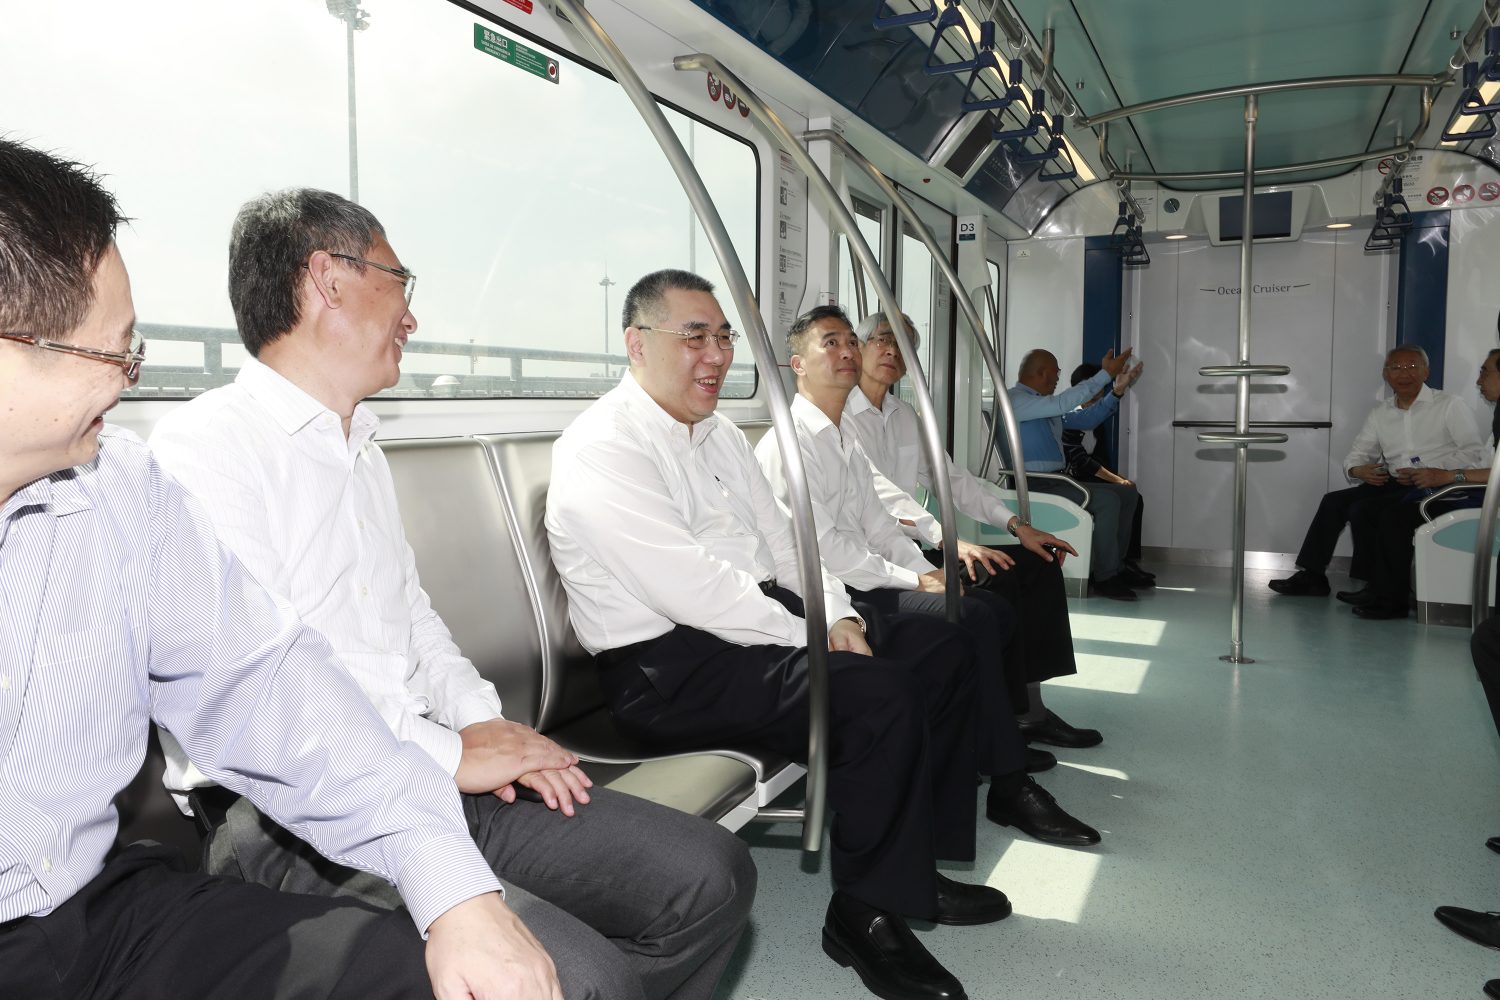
x: 1444, y: 566
x: 473, y: 509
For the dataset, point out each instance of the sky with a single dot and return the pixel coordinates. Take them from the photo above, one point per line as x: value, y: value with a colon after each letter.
x: 509, y: 195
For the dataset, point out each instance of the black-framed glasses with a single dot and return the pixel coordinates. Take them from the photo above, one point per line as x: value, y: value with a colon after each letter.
x: 408, y: 278
x: 698, y: 339
x: 129, y: 359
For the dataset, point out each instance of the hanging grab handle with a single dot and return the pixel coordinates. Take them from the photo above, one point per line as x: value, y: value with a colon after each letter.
x: 951, y: 18
x: 883, y: 21
x: 988, y: 60
x: 1037, y: 121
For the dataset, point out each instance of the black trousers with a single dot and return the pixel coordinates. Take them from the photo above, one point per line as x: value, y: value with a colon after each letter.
x: 1391, y: 528
x: 1040, y: 646
x: 144, y: 929
x: 1485, y: 647
x: 990, y: 624
x: 1357, y: 507
x: 901, y: 743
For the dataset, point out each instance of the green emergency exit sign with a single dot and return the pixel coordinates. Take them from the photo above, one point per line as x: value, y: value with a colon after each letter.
x: 511, y: 51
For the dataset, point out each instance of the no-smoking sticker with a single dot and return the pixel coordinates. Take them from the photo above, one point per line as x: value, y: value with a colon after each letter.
x: 1384, y: 166
x: 715, y: 88
x: 1463, y: 193
x: 1489, y: 191
x: 1437, y: 195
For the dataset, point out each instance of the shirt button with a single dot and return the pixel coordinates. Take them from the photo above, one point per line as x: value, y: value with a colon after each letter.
x: 5, y: 682
x: 364, y: 591
x: 46, y: 864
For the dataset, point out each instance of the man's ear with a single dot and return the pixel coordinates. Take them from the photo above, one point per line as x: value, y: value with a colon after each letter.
x: 795, y: 364
x: 635, y: 344
x: 325, y: 279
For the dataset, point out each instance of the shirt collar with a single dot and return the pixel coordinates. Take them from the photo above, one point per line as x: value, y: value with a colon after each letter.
x: 1424, y: 395
x: 1023, y: 387
x: 807, y: 412
x: 293, y: 408
x: 59, y: 494
x: 639, y: 402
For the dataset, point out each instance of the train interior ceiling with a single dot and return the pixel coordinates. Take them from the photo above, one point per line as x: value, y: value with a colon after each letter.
x: 514, y: 177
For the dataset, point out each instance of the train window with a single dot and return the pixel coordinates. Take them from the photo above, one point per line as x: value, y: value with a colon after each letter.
x: 917, y: 273
x: 528, y: 202
x: 867, y: 218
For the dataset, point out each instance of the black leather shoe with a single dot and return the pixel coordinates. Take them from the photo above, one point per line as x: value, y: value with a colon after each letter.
x: 1038, y: 761
x: 1135, y: 567
x: 1355, y: 597
x: 1493, y: 844
x: 1034, y: 811
x: 1492, y: 989
x: 1377, y: 610
x: 960, y: 904
x: 884, y: 953
x: 1481, y: 928
x: 1302, y: 583
x: 1136, y: 579
x: 1115, y: 588
x: 1057, y: 733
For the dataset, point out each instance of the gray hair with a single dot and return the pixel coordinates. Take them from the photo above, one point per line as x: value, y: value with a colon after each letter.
x: 1407, y: 349
x: 874, y: 321
x: 56, y: 222
x: 273, y: 236
x: 1032, y: 360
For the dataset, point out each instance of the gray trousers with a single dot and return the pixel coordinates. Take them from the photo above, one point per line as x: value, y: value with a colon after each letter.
x: 1113, y: 508
x: 631, y: 899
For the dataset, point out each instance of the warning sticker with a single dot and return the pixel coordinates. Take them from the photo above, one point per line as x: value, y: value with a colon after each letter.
x: 1437, y: 195
x: 715, y: 88
x: 1489, y: 191
x: 511, y: 51
x: 1463, y: 193
x: 1384, y: 166
x: 524, y: 6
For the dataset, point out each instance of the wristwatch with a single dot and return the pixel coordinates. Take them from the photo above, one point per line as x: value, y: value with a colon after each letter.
x: 1015, y: 524
x: 1459, y: 477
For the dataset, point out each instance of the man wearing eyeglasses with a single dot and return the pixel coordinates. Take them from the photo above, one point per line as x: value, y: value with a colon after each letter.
x: 629, y: 898
x: 1417, y: 428
x: 118, y: 606
x: 683, y: 581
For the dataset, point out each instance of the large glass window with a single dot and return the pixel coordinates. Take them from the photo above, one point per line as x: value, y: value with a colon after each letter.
x: 915, y: 295
x: 526, y: 202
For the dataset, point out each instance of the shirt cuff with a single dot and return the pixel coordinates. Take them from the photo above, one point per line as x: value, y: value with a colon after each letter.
x: 477, y: 706
x: 441, y: 743
x: 901, y: 577
x: 441, y: 874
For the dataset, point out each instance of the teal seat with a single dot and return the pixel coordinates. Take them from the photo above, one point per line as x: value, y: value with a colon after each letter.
x: 1462, y: 536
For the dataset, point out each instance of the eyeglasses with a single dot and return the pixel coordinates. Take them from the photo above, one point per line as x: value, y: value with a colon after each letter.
x: 698, y: 339
x: 1413, y: 367
x: 881, y: 341
x: 130, y: 359
x: 408, y: 278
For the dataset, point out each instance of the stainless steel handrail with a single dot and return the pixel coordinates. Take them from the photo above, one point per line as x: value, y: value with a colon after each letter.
x: 1235, y: 371
x: 1084, y: 490
x: 1484, y: 541
x: 859, y: 282
x: 1441, y: 492
x: 1248, y: 90
x: 932, y: 440
x: 976, y: 324
x: 803, y: 527
x: 1241, y: 438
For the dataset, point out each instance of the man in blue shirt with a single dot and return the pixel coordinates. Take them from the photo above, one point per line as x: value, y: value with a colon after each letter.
x: 119, y: 607
x: 1042, y: 413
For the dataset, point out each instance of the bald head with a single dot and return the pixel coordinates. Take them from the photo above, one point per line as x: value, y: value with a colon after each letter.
x: 1039, y: 371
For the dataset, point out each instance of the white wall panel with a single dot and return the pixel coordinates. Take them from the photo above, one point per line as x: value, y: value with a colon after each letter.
x: 1473, y: 302
x: 1045, y: 302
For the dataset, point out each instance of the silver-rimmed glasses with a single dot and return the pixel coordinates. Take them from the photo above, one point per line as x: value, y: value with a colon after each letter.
x: 408, y: 278
x: 130, y: 359
x: 698, y: 339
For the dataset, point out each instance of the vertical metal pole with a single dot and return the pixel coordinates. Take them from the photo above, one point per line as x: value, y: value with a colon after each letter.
x: 692, y: 151
x: 859, y: 281
x: 1242, y: 394
x: 349, y: 20
x: 1484, y: 542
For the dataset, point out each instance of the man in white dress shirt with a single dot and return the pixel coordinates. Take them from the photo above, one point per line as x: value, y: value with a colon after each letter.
x: 682, y: 580
x: 1413, y: 429
x: 630, y: 898
x: 1028, y: 575
x: 862, y: 544
x: 118, y: 606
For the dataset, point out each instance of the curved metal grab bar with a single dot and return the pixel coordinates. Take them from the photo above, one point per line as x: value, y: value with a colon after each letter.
x: 1479, y: 603
x: 1234, y: 371
x: 803, y: 529
x: 932, y: 440
x: 971, y: 314
x: 1083, y: 490
x: 1246, y: 438
x: 1441, y: 492
x: 1285, y: 424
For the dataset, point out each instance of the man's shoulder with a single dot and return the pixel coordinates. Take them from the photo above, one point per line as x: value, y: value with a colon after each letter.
x: 212, y: 416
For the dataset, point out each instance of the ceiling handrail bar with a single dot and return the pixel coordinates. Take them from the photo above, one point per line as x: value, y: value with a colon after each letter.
x: 966, y: 305
x: 1275, y: 87
x: 804, y: 529
x: 883, y: 21
x: 931, y: 438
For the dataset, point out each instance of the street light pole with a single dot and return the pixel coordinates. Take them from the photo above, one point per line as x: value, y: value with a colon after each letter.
x: 605, y: 284
x: 354, y: 20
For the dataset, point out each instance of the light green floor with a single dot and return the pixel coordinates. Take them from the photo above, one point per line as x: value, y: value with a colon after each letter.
x: 1282, y: 829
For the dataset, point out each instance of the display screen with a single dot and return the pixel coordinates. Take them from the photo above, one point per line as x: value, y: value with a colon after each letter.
x: 1273, y: 216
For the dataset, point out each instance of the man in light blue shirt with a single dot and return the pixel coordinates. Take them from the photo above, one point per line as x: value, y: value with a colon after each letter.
x: 1042, y: 413
x: 119, y: 607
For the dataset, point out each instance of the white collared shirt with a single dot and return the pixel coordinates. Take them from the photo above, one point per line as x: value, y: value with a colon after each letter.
x: 892, y: 439
x: 653, y: 524
x: 860, y: 541
x: 313, y: 516
x: 1438, y: 429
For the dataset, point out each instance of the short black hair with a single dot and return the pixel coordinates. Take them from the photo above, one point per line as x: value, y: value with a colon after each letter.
x: 1084, y: 372
x: 56, y: 222
x: 646, y: 298
x: 273, y: 236
x: 796, y: 337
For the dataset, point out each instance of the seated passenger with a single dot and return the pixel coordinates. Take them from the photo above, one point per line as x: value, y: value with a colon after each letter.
x: 1087, y: 466
x: 1043, y: 412
x: 1027, y: 576
x: 121, y: 607
x: 1390, y: 527
x: 630, y: 898
x: 682, y: 580
x: 1416, y: 427
x: 862, y: 544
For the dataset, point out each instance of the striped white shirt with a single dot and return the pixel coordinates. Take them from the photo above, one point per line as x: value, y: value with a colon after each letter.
x: 313, y: 516
x: 118, y: 606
